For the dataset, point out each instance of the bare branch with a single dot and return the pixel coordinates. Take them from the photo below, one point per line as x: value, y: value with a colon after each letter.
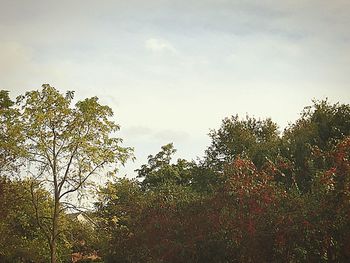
x: 82, y: 181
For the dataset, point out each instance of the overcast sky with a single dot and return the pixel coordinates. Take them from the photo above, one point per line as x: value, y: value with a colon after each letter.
x: 172, y: 70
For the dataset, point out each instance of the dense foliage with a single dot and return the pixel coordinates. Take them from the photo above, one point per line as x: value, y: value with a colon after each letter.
x: 258, y: 194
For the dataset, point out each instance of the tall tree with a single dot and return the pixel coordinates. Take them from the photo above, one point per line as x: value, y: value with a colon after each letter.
x: 66, y: 146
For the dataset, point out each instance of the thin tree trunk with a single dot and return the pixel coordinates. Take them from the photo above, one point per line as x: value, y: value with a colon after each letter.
x: 53, y: 251
x: 54, y: 232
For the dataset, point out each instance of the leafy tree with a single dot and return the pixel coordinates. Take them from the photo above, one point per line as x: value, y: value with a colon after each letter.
x: 249, y: 138
x: 143, y: 226
x: 320, y: 127
x: 66, y: 146
x: 204, y: 180
x: 159, y: 169
x: 20, y: 238
x: 11, y: 138
x: 119, y: 210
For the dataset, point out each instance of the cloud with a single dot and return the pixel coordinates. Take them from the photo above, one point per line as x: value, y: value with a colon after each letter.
x: 171, y: 135
x: 159, y: 45
x: 138, y: 131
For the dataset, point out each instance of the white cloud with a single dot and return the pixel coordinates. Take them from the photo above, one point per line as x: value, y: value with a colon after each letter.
x: 138, y: 131
x: 159, y: 45
x: 171, y: 135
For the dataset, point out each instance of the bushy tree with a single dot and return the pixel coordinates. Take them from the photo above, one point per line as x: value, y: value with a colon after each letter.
x: 159, y: 170
x: 119, y: 210
x: 250, y: 138
x: 21, y: 240
x: 320, y: 127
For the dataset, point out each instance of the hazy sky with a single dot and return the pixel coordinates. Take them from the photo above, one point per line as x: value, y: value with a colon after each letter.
x: 172, y: 70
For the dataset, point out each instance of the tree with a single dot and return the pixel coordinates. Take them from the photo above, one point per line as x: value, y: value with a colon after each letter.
x: 320, y: 127
x: 249, y: 138
x: 10, y: 135
x: 119, y: 210
x: 159, y: 170
x: 144, y: 226
x: 20, y: 237
x: 253, y: 211
x: 66, y: 146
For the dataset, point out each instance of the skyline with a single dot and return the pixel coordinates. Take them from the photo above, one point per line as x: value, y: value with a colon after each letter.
x: 173, y: 70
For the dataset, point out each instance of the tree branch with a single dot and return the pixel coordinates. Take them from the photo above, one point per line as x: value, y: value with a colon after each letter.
x: 82, y: 181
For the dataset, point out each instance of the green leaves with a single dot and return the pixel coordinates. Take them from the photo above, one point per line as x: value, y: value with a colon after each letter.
x: 11, y: 136
x: 251, y: 138
x: 75, y: 142
x: 257, y: 196
x: 20, y: 236
x: 160, y: 171
x: 320, y: 127
x: 66, y: 146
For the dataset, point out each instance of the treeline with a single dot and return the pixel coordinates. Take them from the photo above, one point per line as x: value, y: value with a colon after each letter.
x: 257, y: 195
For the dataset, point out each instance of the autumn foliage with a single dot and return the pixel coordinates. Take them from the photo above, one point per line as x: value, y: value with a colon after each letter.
x: 286, y: 208
x: 249, y: 218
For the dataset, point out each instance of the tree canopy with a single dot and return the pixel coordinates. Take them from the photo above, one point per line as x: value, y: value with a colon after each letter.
x: 258, y: 194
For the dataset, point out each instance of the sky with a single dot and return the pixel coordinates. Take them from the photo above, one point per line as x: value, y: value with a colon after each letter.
x: 172, y: 70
